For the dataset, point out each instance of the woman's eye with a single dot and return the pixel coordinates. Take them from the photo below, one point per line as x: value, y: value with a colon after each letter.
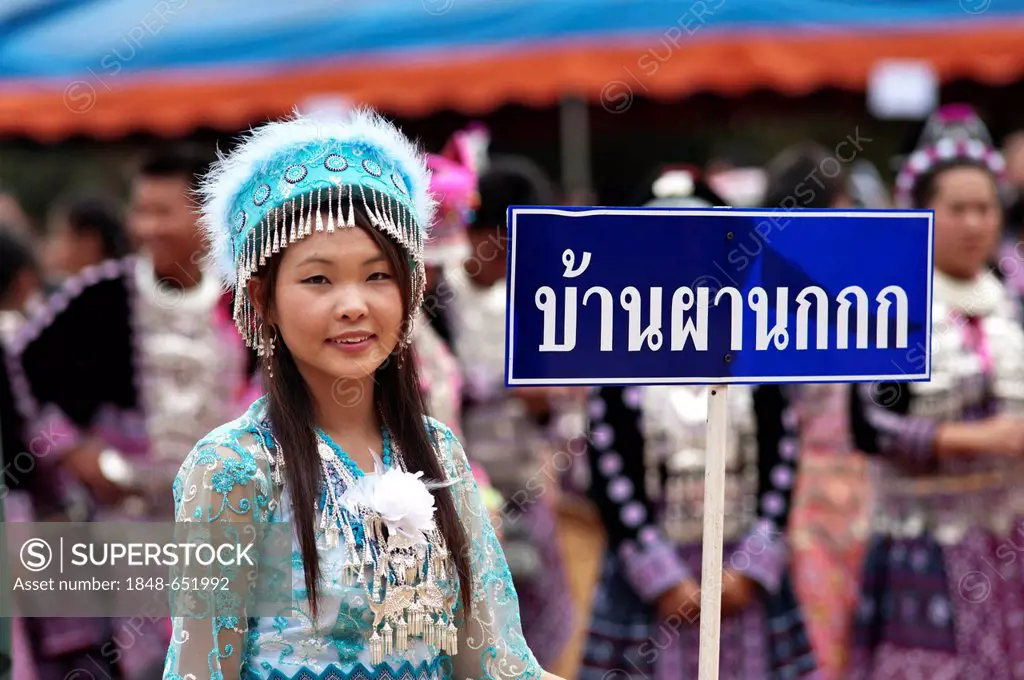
x: 318, y: 279
x: 379, y: 276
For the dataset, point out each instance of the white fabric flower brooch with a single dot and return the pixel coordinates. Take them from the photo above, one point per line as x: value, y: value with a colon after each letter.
x: 402, y: 499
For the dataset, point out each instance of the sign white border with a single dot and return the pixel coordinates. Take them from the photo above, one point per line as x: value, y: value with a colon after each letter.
x: 512, y: 381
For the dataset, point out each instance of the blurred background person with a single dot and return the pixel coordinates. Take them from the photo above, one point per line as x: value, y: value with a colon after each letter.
x: 16, y: 490
x: 21, y: 281
x: 12, y: 214
x: 646, y: 454
x: 1011, y: 252
x: 20, y: 284
x: 797, y: 178
x: 828, y: 524
x: 162, y: 218
x: 867, y: 187
x: 31, y: 493
x: 43, y: 649
x: 1013, y: 154
x: 941, y: 594
x: 162, y: 363
x: 132, y: 361
x: 83, y: 231
x: 503, y: 428
x: 453, y: 183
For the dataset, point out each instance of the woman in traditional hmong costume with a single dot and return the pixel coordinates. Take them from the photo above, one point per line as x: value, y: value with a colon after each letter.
x: 154, y: 363
x: 453, y: 178
x: 943, y: 581
x: 502, y: 426
x: 117, y: 372
x: 647, y: 450
x: 395, y: 570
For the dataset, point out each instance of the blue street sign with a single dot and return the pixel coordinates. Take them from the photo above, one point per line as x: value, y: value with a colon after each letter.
x: 646, y: 296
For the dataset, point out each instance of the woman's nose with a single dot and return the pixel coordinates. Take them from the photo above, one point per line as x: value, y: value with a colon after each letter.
x: 350, y: 303
x: 974, y: 221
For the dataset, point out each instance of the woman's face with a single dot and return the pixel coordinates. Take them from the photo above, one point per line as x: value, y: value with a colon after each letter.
x: 338, y: 305
x: 968, y: 220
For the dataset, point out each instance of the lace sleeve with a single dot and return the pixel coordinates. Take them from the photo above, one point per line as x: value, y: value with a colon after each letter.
x: 219, y: 483
x: 491, y: 642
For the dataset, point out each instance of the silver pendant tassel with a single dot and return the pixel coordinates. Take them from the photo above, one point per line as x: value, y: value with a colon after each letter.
x: 376, y: 650
x: 402, y: 635
x: 319, y: 214
x: 330, y: 212
x: 388, y: 639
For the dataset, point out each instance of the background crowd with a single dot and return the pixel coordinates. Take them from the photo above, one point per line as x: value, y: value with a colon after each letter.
x: 116, y: 337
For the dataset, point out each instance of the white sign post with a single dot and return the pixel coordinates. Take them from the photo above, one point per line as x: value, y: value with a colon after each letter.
x: 714, y: 521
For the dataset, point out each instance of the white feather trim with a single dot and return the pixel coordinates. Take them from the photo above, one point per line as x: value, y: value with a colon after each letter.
x: 231, y: 172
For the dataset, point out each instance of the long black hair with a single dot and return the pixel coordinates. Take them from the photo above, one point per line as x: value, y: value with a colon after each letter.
x: 397, y: 398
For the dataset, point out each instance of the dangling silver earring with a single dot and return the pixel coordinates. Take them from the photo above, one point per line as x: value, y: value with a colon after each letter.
x: 404, y: 345
x: 269, y: 354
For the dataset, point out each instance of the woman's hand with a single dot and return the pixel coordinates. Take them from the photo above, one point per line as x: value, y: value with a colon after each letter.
x: 738, y: 592
x: 683, y: 600
x: 1005, y: 434
x: 538, y: 399
x: 84, y: 463
x: 1000, y: 435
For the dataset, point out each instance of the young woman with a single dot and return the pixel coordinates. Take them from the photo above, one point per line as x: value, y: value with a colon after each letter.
x: 319, y: 225
x: 943, y: 589
x: 647, y: 448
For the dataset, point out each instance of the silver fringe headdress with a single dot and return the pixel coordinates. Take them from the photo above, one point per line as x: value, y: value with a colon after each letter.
x: 288, y: 179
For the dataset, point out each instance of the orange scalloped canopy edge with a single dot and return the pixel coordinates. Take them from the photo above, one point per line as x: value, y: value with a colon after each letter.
x: 174, y: 104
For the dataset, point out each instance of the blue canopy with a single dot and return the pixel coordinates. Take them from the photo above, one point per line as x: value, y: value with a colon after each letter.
x: 466, y: 54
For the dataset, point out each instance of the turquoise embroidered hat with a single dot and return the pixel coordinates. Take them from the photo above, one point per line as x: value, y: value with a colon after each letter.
x: 288, y: 179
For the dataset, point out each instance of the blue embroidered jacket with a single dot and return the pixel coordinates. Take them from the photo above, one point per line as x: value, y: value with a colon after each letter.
x: 228, y: 477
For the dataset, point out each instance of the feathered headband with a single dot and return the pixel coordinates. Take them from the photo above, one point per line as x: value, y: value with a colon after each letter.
x: 927, y: 158
x: 290, y: 178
